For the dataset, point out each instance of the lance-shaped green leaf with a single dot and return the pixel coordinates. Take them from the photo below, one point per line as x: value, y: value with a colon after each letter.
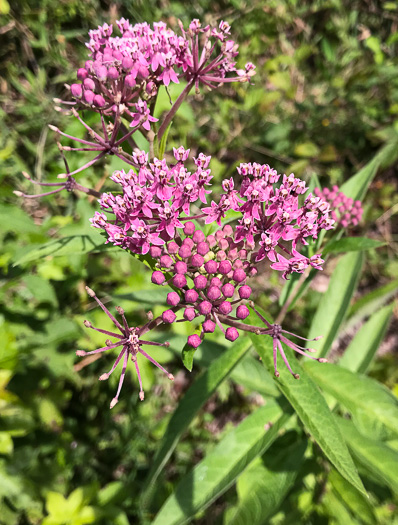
x: 264, y: 484
x: 219, y: 469
x: 335, y: 302
x: 362, y: 349
x: 358, y: 393
x: 351, y: 244
x: 354, y: 500
x: 193, y: 400
x: 379, y: 459
x: 73, y: 244
x: 357, y: 186
x: 312, y: 409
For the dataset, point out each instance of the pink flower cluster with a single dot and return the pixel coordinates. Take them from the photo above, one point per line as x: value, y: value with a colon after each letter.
x: 344, y: 210
x: 140, y: 60
x: 209, y: 277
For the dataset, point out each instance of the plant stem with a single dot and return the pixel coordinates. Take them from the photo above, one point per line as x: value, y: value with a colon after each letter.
x: 170, y: 115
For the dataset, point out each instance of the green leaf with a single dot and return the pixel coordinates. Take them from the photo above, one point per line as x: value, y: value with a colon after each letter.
x: 351, y: 244
x: 353, y: 499
x: 312, y: 409
x: 307, y: 149
x: 187, y: 356
x: 335, y: 302
x: 264, y: 484
x: 359, y: 394
x: 219, y: 469
x: 379, y: 459
x: 362, y: 349
x: 73, y: 244
x: 163, y: 142
x: 193, y: 400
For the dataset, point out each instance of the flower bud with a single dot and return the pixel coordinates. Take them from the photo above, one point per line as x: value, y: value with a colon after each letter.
x: 194, y: 340
x: 213, y: 293
x: 228, y: 290
x: 189, y: 228
x: 205, y: 307
x: 113, y: 73
x: 191, y: 296
x: 181, y: 267
x: 225, y: 307
x: 173, y: 298
x: 89, y: 83
x: 227, y: 230
x: 198, y: 236
x: 224, y: 267
x: 211, y: 267
x: 245, y: 292
x: 101, y: 72
x: 168, y: 316
x: 200, y: 282
x: 231, y: 334
x: 221, y: 255
x: 197, y: 260
x: 158, y: 278
x: 155, y: 252
x: 99, y: 101
x: 76, y: 90
x: 239, y: 275
x: 242, y: 311
x: 189, y: 314
x: 189, y: 242
x: 172, y: 247
x: 185, y: 251
x: 203, y: 248
x: 215, y: 281
x: 209, y: 326
x: 166, y: 261
x: 223, y: 244
x: 211, y: 241
x: 179, y: 281
x: 82, y: 73
x: 88, y: 96
x: 129, y: 81
x: 127, y: 63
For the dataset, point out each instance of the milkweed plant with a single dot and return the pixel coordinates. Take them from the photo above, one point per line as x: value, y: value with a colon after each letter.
x: 211, y: 248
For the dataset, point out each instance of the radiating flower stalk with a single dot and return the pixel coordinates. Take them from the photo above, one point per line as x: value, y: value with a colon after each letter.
x: 163, y: 205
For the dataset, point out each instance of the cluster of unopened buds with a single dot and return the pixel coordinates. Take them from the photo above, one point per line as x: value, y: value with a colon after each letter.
x: 161, y: 210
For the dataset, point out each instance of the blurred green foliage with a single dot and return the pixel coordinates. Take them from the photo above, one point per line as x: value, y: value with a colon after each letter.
x: 324, y: 101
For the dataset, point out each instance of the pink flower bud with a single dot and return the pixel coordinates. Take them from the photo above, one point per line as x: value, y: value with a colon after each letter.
x: 189, y: 314
x: 224, y: 267
x: 219, y: 235
x: 179, y: 281
x: 185, y: 251
x: 113, y: 73
x: 213, y: 293
x: 227, y: 230
x: 88, y: 65
x: 194, y: 340
x: 221, y: 255
x: 198, y: 236
x: 181, y: 267
x: 155, y: 252
x: 82, y: 73
x: 211, y: 266
x: 168, y: 316
x: 232, y: 254
x: 200, y: 282
x: 89, y: 83
x: 166, y: 261
x: 117, y: 55
x: 242, y: 311
x: 191, y: 296
x: 211, y: 241
x: 237, y: 264
x: 76, y: 90
x: 231, y: 333
x: 173, y: 298
x: 203, y: 248
x: 101, y: 73
x: 127, y: 63
x: 173, y: 247
x: 129, y: 81
x: 205, y: 308
x: 209, y: 326
x: 197, y: 260
x: 245, y: 292
x: 99, y: 101
x: 189, y: 242
x: 88, y: 96
x: 239, y: 275
x: 223, y: 244
x: 158, y: 278
x: 228, y: 290
x: 225, y: 307
x: 189, y: 228
x: 215, y: 281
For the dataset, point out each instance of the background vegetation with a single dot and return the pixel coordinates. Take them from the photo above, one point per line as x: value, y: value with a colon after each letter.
x: 324, y: 103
